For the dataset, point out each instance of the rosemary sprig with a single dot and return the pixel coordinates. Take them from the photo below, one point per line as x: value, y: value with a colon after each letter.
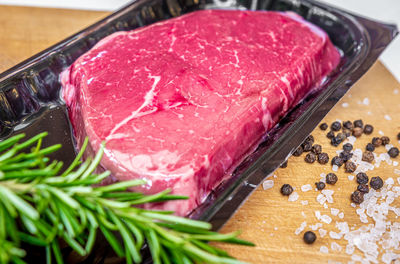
x: 40, y: 206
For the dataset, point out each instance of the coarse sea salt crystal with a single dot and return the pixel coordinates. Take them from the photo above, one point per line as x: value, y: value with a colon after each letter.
x: 334, y: 211
x: 349, y: 249
x: 350, y: 177
x: 306, y: 188
x: 322, y: 232
x: 321, y: 198
x: 318, y: 214
x: 268, y: 184
x: 326, y: 219
x: 301, y: 228
x: 387, y: 117
x: 336, y: 247
x: 389, y: 181
x: 335, y: 235
x: 351, y: 140
x: 328, y: 194
x: 395, y: 163
x: 316, y: 226
x: 335, y: 168
x: 293, y: 197
x: 304, y: 202
x: 345, y: 105
x: 324, y: 249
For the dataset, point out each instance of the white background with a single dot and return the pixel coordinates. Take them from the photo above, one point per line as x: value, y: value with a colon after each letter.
x: 383, y: 10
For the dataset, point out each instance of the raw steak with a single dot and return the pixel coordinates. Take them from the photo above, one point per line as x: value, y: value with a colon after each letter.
x: 181, y: 102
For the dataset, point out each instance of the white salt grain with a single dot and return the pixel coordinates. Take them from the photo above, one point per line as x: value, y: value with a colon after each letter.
x: 335, y: 235
x: 268, y: 184
x: 318, y: 215
x: 350, y: 177
x: 316, y: 226
x: 341, y: 215
x: 293, y: 197
x: 326, y: 219
x: 345, y: 105
x: 395, y: 163
x: 324, y: 249
x: 349, y: 249
x: 321, y: 198
x: 322, y: 232
x: 381, y: 132
x: 397, y: 171
x: 395, y: 91
x: 304, y: 202
x: 352, y: 140
x: 335, y: 168
x: 334, y: 211
x: 306, y: 188
x: 336, y: 247
x: 301, y: 228
x: 366, y: 101
x: 387, y: 117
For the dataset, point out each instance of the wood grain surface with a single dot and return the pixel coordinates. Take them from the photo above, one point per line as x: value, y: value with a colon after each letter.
x: 267, y: 218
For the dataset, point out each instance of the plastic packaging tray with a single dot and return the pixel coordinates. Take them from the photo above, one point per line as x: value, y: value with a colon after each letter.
x: 30, y: 100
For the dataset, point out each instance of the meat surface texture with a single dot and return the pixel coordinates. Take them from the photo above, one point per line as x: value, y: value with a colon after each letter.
x: 181, y: 102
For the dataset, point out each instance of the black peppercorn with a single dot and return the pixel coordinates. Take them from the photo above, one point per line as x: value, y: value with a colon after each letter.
x: 310, y: 157
x: 398, y: 136
x: 393, y: 152
x: 336, y: 126
x: 286, y: 189
x: 320, y: 185
x: 357, y: 197
x: 309, y: 139
x: 330, y: 134
x: 323, y: 126
x: 347, y: 147
x: 316, y: 149
x: 298, y: 151
x: 335, y: 141
x: 284, y: 165
x: 307, y: 146
x: 376, y: 183
x: 337, y: 161
x: 331, y: 178
x: 350, y: 167
x: 358, y: 123
x: 370, y: 147
x: 347, y: 132
x: 368, y: 156
x: 345, y: 155
x: 309, y: 237
x: 362, y: 178
x: 363, y: 188
x: 368, y: 129
x: 348, y: 125
x: 342, y: 136
x: 323, y: 158
x: 385, y: 140
x: 357, y: 131
x: 376, y: 141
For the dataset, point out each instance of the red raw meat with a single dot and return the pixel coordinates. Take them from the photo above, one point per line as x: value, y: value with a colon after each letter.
x: 181, y: 102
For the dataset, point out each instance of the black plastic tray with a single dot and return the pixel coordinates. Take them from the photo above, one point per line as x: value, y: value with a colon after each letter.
x: 30, y: 100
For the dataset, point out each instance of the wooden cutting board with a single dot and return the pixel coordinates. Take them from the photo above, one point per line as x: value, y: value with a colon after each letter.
x: 267, y: 218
